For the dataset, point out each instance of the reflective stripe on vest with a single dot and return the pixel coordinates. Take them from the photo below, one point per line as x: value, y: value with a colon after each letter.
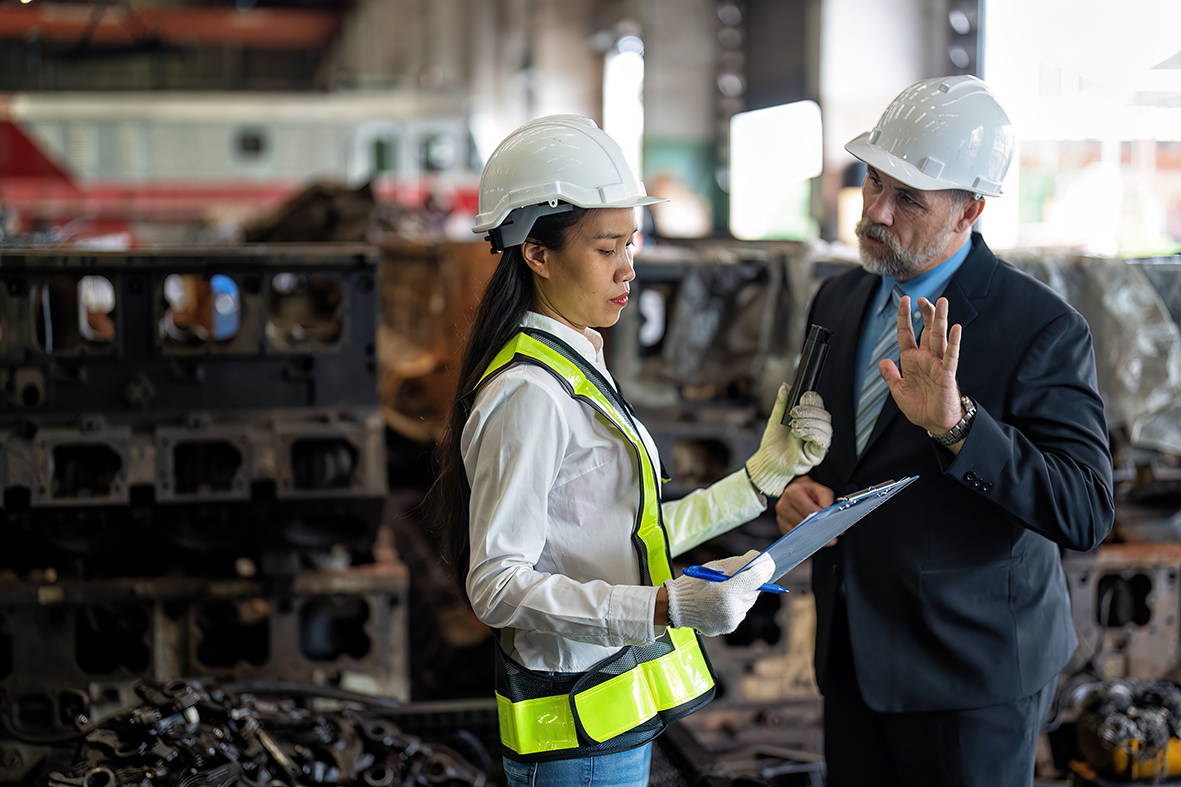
x: 662, y: 686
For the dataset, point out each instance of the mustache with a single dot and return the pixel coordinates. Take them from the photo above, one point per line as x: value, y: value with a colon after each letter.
x: 878, y: 232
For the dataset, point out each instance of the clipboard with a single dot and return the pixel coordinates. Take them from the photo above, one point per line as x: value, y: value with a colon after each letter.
x: 820, y: 527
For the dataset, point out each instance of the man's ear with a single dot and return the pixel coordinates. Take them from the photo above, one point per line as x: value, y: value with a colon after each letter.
x: 970, y: 211
x: 536, y: 258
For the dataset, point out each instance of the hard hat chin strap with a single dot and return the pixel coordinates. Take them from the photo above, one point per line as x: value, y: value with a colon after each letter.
x: 516, y: 227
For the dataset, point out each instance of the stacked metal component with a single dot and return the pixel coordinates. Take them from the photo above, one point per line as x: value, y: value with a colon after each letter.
x: 136, y: 384
x: 192, y: 479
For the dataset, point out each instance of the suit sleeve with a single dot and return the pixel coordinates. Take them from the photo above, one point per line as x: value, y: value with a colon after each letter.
x: 1048, y: 462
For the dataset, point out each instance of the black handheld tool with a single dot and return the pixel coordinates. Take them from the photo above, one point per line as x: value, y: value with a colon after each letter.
x: 810, y: 365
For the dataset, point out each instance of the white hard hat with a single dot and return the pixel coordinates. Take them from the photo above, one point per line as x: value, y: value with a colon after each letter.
x: 548, y: 161
x: 943, y: 133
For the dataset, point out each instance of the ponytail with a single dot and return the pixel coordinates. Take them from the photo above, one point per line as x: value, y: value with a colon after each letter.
x: 506, y: 299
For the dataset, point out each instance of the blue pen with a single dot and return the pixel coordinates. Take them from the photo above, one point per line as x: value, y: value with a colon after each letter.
x: 713, y: 575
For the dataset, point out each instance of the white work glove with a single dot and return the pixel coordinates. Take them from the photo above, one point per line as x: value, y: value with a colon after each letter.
x: 715, y: 608
x: 789, y: 451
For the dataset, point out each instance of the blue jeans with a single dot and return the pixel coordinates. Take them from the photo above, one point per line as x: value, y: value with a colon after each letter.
x: 625, y: 769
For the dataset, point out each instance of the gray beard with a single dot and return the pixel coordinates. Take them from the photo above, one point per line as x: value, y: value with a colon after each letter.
x: 898, y: 262
x: 899, y: 267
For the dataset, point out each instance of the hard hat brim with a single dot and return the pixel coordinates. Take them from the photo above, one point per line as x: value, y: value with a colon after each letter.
x: 487, y: 221
x: 903, y: 171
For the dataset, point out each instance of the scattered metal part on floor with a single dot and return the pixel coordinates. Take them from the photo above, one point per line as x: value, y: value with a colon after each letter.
x: 186, y: 734
x: 1131, y: 728
x: 743, y: 743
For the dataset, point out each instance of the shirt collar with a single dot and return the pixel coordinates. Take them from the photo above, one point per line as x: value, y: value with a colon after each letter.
x: 588, y: 342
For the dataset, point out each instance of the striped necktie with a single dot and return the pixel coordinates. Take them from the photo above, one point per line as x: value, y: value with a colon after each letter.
x: 873, y: 387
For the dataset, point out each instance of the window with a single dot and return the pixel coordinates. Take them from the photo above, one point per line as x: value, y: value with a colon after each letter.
x: 381, y: 159
x: 252, y: 143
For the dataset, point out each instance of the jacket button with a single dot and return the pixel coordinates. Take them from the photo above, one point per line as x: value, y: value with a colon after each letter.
x: 969, y: 476
x: 986, y: 486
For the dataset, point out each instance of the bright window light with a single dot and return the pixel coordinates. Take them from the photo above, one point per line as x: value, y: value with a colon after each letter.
x: 623, y: 97
x: 1093, y: 89
x: 774, y: 154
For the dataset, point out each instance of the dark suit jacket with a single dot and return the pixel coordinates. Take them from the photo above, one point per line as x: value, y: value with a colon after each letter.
x: 954, y: 588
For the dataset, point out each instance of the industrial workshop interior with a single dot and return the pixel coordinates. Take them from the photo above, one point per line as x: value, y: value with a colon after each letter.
x: 244, y: 245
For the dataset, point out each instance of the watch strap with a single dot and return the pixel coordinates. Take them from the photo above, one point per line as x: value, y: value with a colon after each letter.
x: 960, y: 430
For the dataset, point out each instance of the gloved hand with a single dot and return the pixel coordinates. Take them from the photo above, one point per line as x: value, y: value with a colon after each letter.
x: 715, y: 608
x: 789, y: 451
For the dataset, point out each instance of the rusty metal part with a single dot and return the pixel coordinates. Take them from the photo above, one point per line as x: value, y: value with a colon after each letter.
x: 1123, y: 599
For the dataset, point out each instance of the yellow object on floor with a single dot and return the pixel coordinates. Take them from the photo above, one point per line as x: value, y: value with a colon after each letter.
x: 1129, y: 760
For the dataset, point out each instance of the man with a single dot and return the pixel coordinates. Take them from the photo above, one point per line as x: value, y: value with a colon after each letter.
x: 943, y: 618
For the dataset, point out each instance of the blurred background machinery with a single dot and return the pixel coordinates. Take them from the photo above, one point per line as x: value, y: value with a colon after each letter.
x: 106, y: 165
x: 194, y: 477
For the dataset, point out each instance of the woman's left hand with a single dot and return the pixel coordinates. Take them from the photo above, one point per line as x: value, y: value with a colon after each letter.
x: 789, y: 451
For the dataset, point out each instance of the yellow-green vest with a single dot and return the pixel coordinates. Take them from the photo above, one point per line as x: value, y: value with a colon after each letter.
x: 627, y: 699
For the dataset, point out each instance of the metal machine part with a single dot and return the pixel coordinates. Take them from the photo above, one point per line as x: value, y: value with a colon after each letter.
x: 192, y: 477
x: 137, y: 384
x: 185, y: 733
x: 1131, y: 728
x: 330, y: 627
x: 1124, y: 599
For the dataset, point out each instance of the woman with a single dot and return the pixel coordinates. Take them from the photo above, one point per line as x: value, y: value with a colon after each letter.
x: 551, y: 487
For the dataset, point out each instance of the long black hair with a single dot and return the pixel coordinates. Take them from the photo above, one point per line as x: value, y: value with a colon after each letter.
x: 507, y: 297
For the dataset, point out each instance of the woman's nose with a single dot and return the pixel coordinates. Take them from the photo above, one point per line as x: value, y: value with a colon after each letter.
x: 627, y: 271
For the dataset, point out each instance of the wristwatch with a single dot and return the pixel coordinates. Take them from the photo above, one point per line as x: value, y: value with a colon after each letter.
x: 960, y: 430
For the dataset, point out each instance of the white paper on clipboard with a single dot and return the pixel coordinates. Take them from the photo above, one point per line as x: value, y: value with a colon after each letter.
x: 822, y: 526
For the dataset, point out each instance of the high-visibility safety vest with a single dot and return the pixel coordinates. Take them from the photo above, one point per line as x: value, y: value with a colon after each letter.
x: 628, y: 698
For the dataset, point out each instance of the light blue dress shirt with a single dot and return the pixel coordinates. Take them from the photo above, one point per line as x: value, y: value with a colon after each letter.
x: 929, y: 284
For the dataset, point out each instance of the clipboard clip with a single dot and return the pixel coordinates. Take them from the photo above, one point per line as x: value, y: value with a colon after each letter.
x: 864, y: 493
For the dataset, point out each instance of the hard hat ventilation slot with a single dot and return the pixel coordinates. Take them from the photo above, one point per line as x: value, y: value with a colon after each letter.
x: 932, y: 167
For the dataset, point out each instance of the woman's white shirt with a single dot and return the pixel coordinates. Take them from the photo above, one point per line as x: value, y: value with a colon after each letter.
x: 555, y: 490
